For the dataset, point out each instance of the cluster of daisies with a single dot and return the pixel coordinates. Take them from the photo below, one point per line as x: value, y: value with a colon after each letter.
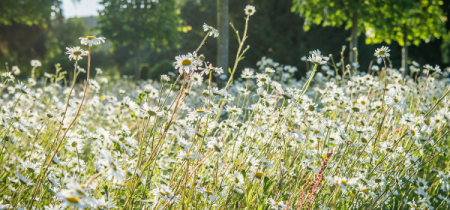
x: 337, y: 138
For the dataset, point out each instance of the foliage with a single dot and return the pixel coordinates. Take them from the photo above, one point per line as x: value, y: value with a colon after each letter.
x: 361, y: 141
x: 160, y: 68
x: 28, y: 12
x: 138, y: 21
x: 333, y: 13
x: 276, y: 33
x: 20, y: 43
x: 416, y: 19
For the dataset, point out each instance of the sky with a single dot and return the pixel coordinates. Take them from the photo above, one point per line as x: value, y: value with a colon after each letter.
x: 81, y: 8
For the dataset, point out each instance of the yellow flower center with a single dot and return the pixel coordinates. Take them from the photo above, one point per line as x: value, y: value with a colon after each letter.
x: 355, y: 109
x: 364, y: 140
x: 208, y: 192
x: 199, y: 111
x: 396, y: 100
x: 258, y: 175
x: 91, y: 37
x: 365, y: 191
x: 73, y: 199
x: 344, y: 182
x: 164, y: 193
x: 363, y: 102
x: 188, y: 154
x: 316, y: 131
x: 381, y: 52
x: 114, y: 167
x: 413, y: 132
x: 76, y: 53
x: 186, y: 62
x: 426, y: 122
x: 151, y: 112
x: 80, y: 192
x: 103, y: 98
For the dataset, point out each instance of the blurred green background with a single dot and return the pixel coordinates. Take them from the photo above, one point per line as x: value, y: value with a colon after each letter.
x: 146, y: 35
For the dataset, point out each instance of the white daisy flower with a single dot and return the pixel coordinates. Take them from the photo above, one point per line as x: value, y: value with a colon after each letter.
x: 208, y: 194
x: 114, y: 171
x: 188, y: 155
x: 317, y: 58
x: 185, y: 63
x: 76, y: 53
x: 382, y: 52
x: 250, y: 10
x: 212, y: 30
x: 247, y: 73
x: 15, y: 70
x: 92, y: 40
x: 35, y: 63
x: 277, y: 205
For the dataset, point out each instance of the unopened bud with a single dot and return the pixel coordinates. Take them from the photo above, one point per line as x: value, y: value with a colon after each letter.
x: 165, y: 79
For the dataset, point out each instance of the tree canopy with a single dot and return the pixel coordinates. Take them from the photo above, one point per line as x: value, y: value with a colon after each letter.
x: 29, y: 12
x: 133, y: 22
x: 274, y: 32
x: 353, y: 13
x: 416, y: 19
x: 406, y: 22
x: 128, y: 21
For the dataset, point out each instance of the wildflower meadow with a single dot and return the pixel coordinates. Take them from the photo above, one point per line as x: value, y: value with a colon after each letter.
x: 338, y: 138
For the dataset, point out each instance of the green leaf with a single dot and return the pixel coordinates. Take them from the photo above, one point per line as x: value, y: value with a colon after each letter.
x: 262, y: 206
x: 140, y: 97
x: 244, y: 174
x: 267, y: 184
x: 133, y: 116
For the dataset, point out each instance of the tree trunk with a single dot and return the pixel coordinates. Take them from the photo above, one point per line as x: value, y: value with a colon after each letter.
x: 222, y: 44
x: 137, y: 72
x: 354, y: 39
x: 405, y: 54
